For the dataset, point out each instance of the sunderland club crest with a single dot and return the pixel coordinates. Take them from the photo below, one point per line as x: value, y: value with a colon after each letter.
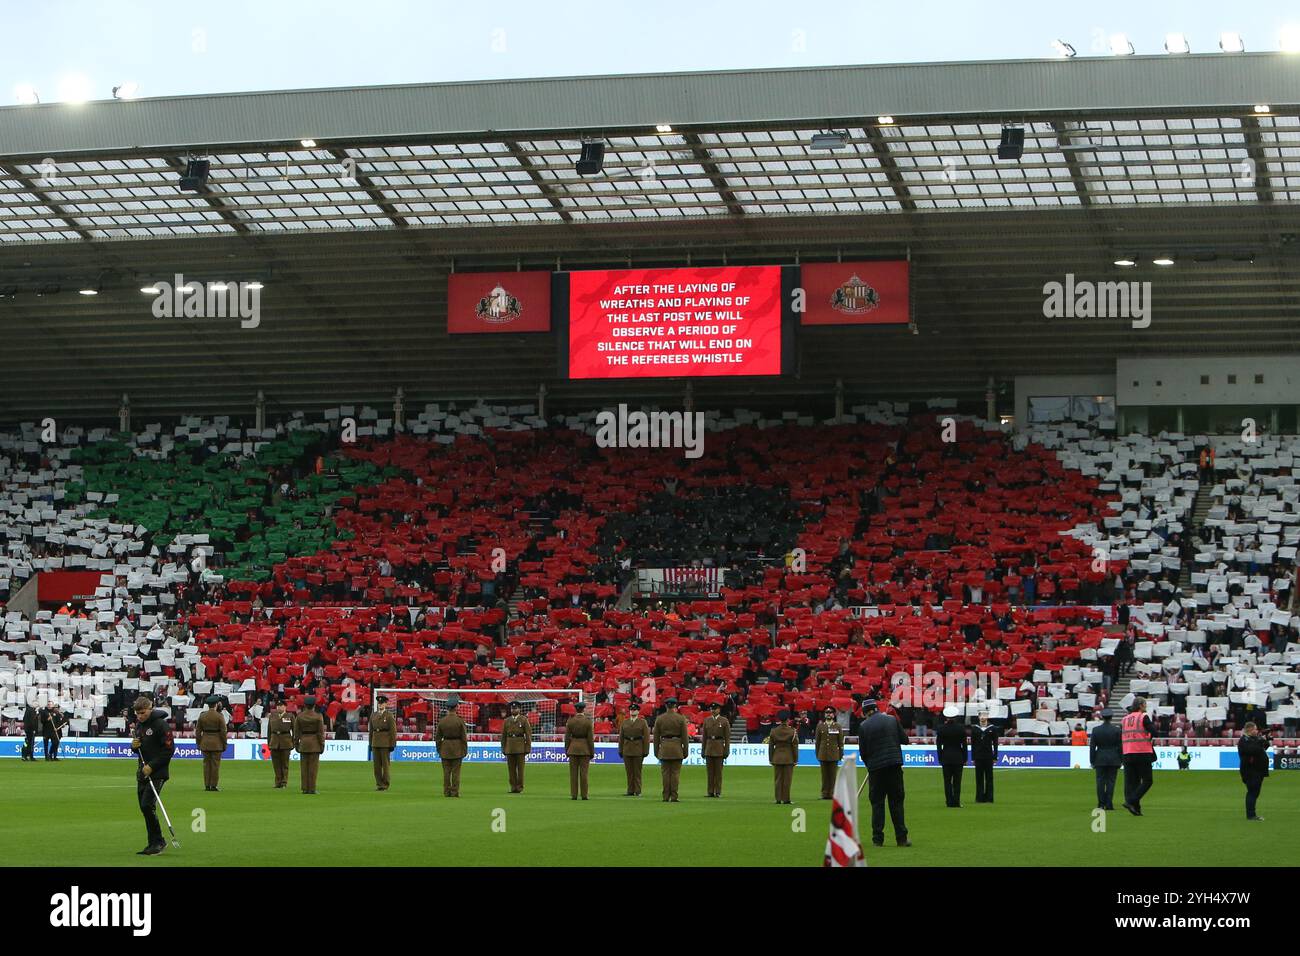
x: 855, y: 297
x: 498, y: 306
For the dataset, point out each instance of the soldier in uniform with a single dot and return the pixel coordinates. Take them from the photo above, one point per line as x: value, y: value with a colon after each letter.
x: 210, y: 735
x: 516, y: 744
x: 950, y: 744
x: 452, y: 738
x: 716, y: 736
x: 672, y: 746
x: 830, y: 749
x: 154, y: 744
x: 633, y: 746
x: 783, y: 754
x: 580, y: 746
x: 309, y: 738
x: 984, y: 753
x: 383, y: 738
x: 279, y: 740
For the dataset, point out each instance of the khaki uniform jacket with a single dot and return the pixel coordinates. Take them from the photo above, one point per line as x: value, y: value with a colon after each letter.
x: 452, y: 737
x: 383, y: 730
x: 634, y: 738
x: 516, y: 735
x: 671, y: 742
x: 579, y: 737
x: 279, y: 732
x: 309, y: 732
x: 716, y: 734
x: 830, y: 741
x: 783, y: 746
x: 210, y: 732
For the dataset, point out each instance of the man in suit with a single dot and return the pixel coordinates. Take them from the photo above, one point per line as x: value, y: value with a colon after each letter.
x: 1105, y: 755
x: 1252, y: 749
x: 633, y: 747
x: 309, y: 739
x: 1136, y: 734
x: 715, y: 735
x: 783, y: 754
x: 31, y: 724
x: 279, y: 740
x: 383, y: 738
x: 210, y: 735
x: 950, y: 741
x: 672, y: 746
x: 984, y: 754
x: 880, y: 741
x: 829, y: 739
x: 154, y: 744
x: 516, y: 744
x: 580, y: 747
x: 452, y: 739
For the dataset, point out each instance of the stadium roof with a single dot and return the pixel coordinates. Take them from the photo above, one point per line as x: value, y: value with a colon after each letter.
x: 1122, y: 155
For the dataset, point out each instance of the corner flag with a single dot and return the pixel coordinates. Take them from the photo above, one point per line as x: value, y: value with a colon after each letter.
x: 843, y: 847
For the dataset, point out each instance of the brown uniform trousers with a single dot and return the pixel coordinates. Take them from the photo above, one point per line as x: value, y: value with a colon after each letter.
x: 580, y: 745
x: 830, y: 748
x: 383, y: 738
x: 309, y: 735
x: 279, y: 739
x: 210, y: 735
x: 672, y: 746
x: 633, y: 745
x: 783, y: 754
x: 716, y: 734
x: 452, y: 738
x: 516, y: 743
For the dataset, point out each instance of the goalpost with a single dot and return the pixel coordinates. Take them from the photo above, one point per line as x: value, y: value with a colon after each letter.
x: 419, y: 709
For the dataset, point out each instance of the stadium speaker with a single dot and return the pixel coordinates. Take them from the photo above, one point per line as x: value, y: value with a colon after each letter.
x: 196, y: 175
x: 1013, y: 142
x: 592, y: 158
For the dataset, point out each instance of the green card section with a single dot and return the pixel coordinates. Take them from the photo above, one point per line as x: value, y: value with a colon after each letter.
x: 195, y: 492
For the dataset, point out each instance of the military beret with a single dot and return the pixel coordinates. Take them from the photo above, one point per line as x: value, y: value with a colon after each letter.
x: 671, y: 702
x: 715, y: 706
x: 383, y: 699
x: 453, y: 700
x: 514, y: 705
x: 212, y: 699
x: 309, y: 701
x: 784, y: 715
x: 580, y: 705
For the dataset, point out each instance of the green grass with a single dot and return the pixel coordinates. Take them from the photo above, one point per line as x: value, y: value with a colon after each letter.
x: 83, y: 813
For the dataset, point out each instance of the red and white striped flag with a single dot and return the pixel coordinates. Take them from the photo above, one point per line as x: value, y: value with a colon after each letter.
x: 843, y: 845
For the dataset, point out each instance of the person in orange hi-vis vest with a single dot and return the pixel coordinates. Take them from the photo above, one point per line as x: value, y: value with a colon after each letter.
x: 1078, y: 736
x: 1136, y: 731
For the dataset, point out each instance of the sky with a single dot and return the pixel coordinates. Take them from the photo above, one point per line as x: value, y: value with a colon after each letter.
x: 176, y: 48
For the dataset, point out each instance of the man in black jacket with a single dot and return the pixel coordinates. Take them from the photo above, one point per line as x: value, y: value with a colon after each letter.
x: 1105, y: 755
x: 984, y: 753
x: 153, y: 743
x: 880, y: 740
x: 950, y: 741
x: 31, y: 724
x: 1252, y: 749
x: 52, y: 724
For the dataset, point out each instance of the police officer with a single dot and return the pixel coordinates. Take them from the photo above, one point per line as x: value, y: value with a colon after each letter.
x: 516, y: 744
x: 452, y: 739
x: 1105, y: 754
x: 279, y: 740
x: 153, y: 743
x: 950, y: 741
x: 829, y: 739
x: 672, y: 746
x: 783, y: 754
x: 984, y: 754
x: 309, y: 738
x: 383, y: 738
x: 210, y: 735
x: 716, y: 736
x: 1136, y: 732
x: 31, y: 724
x: 580, y: 746
x: 880, y: 739
x: 633, y: 746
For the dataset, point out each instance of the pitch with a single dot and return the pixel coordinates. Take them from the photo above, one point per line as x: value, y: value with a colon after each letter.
x: 83, y: 813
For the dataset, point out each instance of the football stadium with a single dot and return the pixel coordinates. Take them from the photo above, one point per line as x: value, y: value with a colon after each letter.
x: 817, y: 466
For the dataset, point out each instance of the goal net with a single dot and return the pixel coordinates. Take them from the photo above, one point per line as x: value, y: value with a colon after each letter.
x: 418, y: 710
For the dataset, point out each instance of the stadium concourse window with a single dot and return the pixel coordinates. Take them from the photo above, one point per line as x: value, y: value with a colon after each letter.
x: 1209, y: 419
x: 1097, y: 410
